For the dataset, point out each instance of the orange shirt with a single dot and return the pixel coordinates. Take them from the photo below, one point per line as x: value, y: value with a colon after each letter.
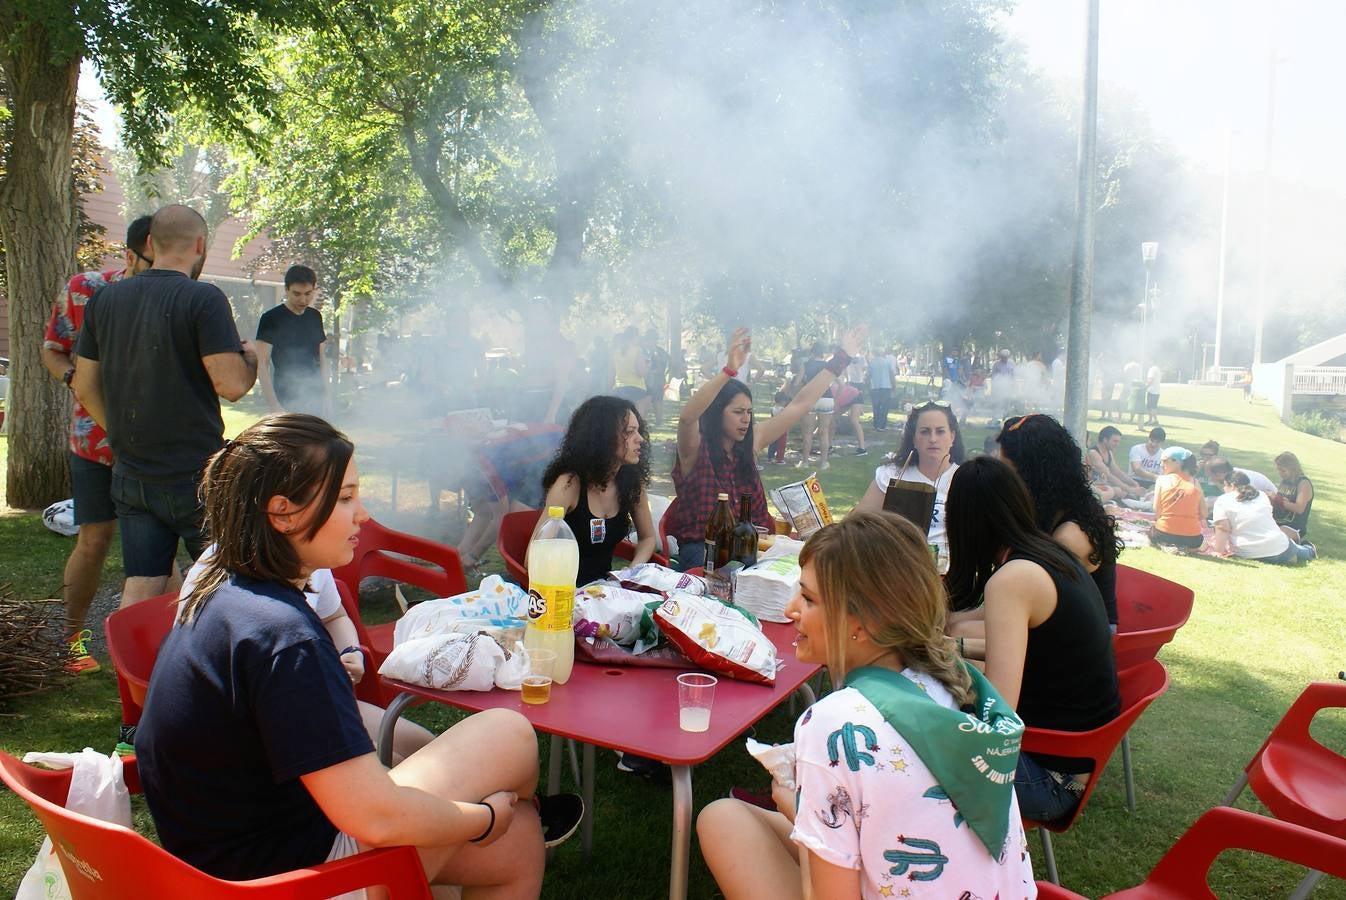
x: 1177, y: 505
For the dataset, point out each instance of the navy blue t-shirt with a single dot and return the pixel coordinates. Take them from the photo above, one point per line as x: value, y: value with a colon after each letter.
x: 244, y: 699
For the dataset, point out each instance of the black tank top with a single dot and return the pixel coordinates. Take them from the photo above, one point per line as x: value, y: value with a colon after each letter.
x: 597, y: 541
x: 1070, y: 676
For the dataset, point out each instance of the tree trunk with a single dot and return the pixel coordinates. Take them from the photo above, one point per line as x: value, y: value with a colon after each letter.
x: 38, y: 225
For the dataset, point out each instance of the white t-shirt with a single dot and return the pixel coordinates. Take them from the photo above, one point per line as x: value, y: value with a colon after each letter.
x: 1150, y: 463
x: 324, y: 599
x: 937, y: 535
x: 1253, y: 532
x: 870, y: 795
x: 1258, y: 480
x: 1152, y: 380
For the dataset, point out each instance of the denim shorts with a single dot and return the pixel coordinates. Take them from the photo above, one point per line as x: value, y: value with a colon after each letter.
x: 91, y: 486
x: 153, y: 516
x: 1044, y: 795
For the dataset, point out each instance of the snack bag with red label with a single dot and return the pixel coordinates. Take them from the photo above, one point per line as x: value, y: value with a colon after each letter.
x: 718, y: 637
x: 803, y: 505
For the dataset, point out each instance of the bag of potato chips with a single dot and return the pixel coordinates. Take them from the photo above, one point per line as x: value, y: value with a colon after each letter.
x: 718, y: 637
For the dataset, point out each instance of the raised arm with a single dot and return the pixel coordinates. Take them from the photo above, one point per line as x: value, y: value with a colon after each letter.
x: 766, y: 433
x: 689, y: 420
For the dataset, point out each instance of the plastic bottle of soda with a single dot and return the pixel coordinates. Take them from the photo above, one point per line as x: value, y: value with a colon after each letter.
x: 719, y: 535
x: 744, y: 549
x: 553, y: 564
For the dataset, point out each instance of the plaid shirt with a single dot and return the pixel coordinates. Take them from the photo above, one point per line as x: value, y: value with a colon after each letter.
x: 87, y: 438
x: 697, y: 494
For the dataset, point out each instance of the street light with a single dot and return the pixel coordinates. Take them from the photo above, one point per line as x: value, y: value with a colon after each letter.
x: 1148, y: 251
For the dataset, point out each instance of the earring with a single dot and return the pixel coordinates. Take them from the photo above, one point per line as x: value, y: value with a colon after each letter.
x: 855, y: 637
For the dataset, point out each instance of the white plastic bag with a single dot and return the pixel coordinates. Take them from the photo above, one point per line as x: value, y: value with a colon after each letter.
x: 60, y: 518
x: 456, y: 662
x: 97, y: 789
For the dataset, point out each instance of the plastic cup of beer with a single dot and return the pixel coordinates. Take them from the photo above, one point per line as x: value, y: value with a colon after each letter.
x: 536, y: 687
x: 696, y: 693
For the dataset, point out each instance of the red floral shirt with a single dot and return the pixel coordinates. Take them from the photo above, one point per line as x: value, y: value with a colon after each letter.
x: 87, y: 438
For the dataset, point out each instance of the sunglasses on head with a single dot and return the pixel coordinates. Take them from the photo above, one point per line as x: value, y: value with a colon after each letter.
x: 932, y: 404
x: 1014, y: 423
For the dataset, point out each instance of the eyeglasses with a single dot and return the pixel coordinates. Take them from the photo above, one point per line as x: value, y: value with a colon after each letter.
x: 142, y: 257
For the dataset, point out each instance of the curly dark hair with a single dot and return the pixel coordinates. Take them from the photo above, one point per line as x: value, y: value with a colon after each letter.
x: 711, y: 426
x: 1051, y: 466
x: 956, y: 453
x: 589, y: 449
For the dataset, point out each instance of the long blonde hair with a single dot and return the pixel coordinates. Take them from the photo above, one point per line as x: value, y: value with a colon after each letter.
x: 878, y: 567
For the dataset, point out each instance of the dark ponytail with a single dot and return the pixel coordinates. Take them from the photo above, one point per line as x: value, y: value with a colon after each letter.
x: 1246, y: 491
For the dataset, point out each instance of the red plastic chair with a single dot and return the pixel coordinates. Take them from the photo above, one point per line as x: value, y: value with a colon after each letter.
x: 133, y: 638
x: 374, y: 556
x: 1150, y: 610
x: 664, y: 547
x: 1183, y: 870
x: 1140, y: 686
x: 516, y: 530
x: 103, y: 861
x: 1297, y: 778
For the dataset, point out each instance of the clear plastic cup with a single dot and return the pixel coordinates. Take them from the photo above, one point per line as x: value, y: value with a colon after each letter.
x: 536, y: 688
x: 696, y: 693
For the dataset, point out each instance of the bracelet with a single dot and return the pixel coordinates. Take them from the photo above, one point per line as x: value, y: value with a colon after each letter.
x: 732, y: 373
x: 351, y: 650
x: 838, y: 363
x: 960, y: 647
x: 485, y: 834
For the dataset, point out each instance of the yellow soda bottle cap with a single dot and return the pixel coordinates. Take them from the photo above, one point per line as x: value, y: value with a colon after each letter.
x: 556, y: 512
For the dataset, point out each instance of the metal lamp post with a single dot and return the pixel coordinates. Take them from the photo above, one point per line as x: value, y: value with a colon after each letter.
x: 1148, y: 251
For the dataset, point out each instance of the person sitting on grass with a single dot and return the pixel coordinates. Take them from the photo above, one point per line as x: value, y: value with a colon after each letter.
x: 1144, y: 458
x: 1218, y: 470
x: 599, y: 476
x: 883, y: 763
x: 1294, y: 496
x: 930, y: 452
x: 1246, y: 528
x: 251, y: 750
x: 1103, y: 459
x: 1048, y: 460
x: 1178, y: 503
x: 1023, y: 603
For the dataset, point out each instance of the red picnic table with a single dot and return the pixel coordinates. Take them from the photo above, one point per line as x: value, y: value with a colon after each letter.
x: 635, y: 710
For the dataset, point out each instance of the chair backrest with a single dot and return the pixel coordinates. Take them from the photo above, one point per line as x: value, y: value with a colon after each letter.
x: 1139, y: 686
x: 103, y: 861
x: 1150, y: 610
x: 133, y: 638
x: 374, y: 556
x: 516, y: 529
x: 1183, y: 870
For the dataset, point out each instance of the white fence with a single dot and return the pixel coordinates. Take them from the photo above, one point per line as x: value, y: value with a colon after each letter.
x: 1320, y: 380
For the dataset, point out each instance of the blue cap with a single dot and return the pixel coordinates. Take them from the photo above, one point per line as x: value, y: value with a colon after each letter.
x: 1177, y: 454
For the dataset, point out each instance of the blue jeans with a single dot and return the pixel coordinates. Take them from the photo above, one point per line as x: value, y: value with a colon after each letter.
x: 691, y: 555
x: 1292, y: 555
x: 1042, y: 796
x: 152, y: 517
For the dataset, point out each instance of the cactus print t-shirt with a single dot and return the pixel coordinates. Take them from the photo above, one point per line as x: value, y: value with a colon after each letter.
x: 867, y: 802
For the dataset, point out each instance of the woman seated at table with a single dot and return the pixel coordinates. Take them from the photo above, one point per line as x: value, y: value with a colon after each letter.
x: 930, y: 452
x: 1048, y: 460
x: 1294, y: 496
x: 251, y: 750
x: 882, y: 803
x: 1024, y: 604
x: 1178, y: 502
x: 599, y: 475
x: 718, y: 443
x: 1246, y: 528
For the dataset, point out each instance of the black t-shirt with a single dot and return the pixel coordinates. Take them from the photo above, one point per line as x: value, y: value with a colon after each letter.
x: 244, y: 699
x: 294, y: 344
x: 148, y: 335
x: 1070, y: 676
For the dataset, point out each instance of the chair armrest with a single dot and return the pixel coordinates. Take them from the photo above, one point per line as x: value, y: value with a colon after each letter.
x: 1319, y: 695
x: 397, y: 868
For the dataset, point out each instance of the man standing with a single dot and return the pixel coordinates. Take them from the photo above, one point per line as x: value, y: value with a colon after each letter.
x: 154, y: 356
x: 1152, y: 382
x: 90, y: 455
x: 291, y: 362
x: 881, y: 388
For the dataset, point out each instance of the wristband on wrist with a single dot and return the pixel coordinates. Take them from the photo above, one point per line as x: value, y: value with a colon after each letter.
x: 732, y: 373
x: 489, y: 828
x: 838, y: 363
x: 351, y: 650
x: 960, y: 647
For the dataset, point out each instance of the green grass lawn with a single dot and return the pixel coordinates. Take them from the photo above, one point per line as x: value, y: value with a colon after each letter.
x: 1257, y: 635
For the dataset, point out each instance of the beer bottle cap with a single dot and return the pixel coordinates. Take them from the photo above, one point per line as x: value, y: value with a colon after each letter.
x: 722, y: 496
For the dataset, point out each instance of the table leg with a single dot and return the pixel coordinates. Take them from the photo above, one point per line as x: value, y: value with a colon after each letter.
x: 682, y: 832
x: 554, y: 752
x: 388, y: 723
x: 587, y: 792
